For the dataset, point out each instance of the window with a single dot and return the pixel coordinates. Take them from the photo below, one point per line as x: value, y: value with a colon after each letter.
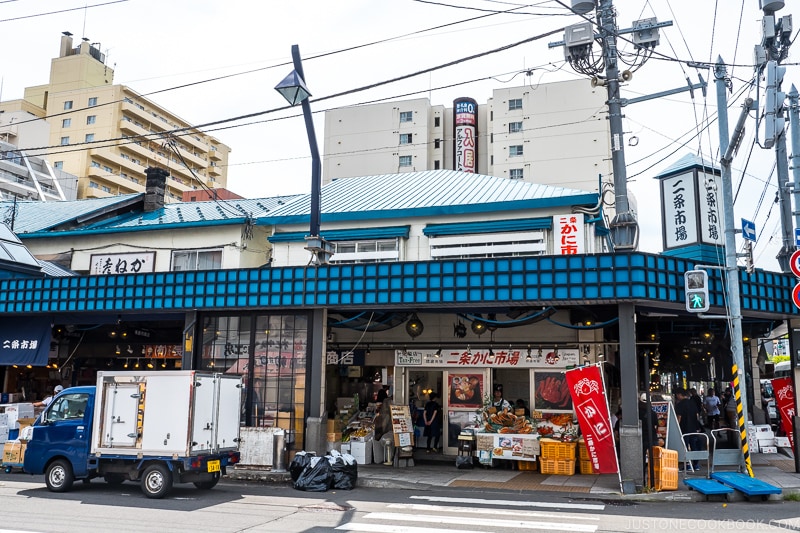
x: 368, y: 251
x: 68, y: 407
x: 67, y: 105
x: 405, y: 138
x: 515, y: 174
x: 515, y: 150
x: 92, y: 101
x: 107, y: 189
x: 64, y: 141
x: 514, y: 103
x: 196, y: 260
x: 436, y: 165
x: 94, y: 164
x: 91, y: 119
x: 93, y: 185
x: 89, y: 137
x: 405, y: 160
x: 437, y: 121
x: 108, y: 169
x: 58, y: 164
x: 66, y: 123
x: 514, y: 127
x: 406, y: 116
x: 437, y: 143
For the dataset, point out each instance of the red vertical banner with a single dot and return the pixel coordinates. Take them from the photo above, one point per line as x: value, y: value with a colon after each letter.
x: 784, y: 403
x: 588, y: 396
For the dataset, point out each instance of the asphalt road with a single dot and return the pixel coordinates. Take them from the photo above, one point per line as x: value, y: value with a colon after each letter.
x: 27, y: 506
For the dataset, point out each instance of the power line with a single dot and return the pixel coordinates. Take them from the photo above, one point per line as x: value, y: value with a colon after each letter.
x: 60, y: 11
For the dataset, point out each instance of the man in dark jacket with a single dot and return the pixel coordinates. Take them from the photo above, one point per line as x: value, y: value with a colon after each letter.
x: 687, y: 413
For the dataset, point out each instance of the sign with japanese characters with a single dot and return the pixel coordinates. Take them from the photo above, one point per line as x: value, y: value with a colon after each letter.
x: 122, y: 263
x: 588, y: 395
x: 568, y: 234
x: 465, y: 133
x: 24, y: 341
x: 692, y: 211
x: 784, y: 402
x: 460, y: 360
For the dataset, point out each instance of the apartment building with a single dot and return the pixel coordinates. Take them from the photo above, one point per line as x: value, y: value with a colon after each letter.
x: 108, y: 134
x: 550, y: 134
x: 32, y: 178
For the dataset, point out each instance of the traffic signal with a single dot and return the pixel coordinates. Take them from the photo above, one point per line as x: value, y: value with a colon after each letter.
x: 696, y: 284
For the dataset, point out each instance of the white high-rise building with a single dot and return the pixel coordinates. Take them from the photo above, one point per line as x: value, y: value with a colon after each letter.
x: 553, y: 134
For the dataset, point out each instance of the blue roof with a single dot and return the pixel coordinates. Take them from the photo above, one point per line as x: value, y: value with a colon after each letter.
x: 429, y: 193
x: 181, y: 214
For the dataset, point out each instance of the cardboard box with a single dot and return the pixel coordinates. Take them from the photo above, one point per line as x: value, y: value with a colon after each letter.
x: 782, y: 442
x: 331, y: 426
x: 345, y: 448
x: 764, y: 431
x: 362, y: 452
x: 3, y: 433
x: 766, y: 442
x: 14, y: 452
x: 768, y: 449
x: 334, y: 437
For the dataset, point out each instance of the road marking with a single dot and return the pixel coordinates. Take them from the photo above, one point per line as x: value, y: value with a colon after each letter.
x: 514, y: 503
x: 519, y: 524
x: 385, y: 528
x: 472, y: 510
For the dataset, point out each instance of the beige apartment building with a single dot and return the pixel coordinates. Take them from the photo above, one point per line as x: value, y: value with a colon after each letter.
x: 552, y: 134
x: 107, y: 134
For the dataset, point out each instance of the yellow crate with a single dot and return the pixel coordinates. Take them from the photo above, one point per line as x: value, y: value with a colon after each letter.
x: 562, y: 467
x: 583, y: 451
x: 586, y: 466
x: 555, y: 449
x: 526, y: 465
x: 666, y: 479
x: 664, y: 458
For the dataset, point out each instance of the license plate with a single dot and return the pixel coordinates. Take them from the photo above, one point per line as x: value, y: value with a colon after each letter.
x: 213, y: 466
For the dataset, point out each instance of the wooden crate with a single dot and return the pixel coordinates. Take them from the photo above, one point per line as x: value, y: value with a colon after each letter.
x: 555, y: 449
x: 562, y: 467
x: 586, y: 466
x: 526, y: 465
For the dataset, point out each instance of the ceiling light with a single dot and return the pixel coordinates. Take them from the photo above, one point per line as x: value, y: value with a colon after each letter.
x: 414, y: 326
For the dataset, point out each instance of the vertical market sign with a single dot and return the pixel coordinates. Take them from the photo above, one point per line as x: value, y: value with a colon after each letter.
x: 589, y: 398
x: 568, y: 234
x: 465, y: 133
x: 784, y: 402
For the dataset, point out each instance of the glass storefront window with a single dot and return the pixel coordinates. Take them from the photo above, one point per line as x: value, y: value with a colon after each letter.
x: 269, y: 351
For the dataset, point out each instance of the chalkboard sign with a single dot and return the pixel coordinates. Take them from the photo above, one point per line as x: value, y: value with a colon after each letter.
x: 402, y: 426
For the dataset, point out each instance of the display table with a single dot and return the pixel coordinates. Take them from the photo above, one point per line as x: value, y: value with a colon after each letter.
x: 513, y: 446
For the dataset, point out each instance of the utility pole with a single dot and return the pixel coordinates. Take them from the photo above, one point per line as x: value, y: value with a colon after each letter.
x: 728, y: 148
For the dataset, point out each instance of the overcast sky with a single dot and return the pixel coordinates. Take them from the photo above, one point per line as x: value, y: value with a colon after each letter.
x: 164, y: 45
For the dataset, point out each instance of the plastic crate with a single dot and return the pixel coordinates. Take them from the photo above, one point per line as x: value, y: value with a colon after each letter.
x: 664, y: 458
x: 555, y: 449
x: 665, y: 469
x: 561, y: 467
x: 526, y: 465
x: 586, y: 466
x: 666, y: 479
x: 583, y: 451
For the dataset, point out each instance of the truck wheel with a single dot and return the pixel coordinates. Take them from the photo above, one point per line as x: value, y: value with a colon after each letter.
x: 114, y: 478
x: 208, y: 484
x: 59, y: 476
x: 156, y: 481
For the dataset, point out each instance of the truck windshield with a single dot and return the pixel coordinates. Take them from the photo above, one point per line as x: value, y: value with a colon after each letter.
x: 67, y: 406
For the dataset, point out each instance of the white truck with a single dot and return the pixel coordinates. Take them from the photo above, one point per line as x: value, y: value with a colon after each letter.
x: 153, y: 426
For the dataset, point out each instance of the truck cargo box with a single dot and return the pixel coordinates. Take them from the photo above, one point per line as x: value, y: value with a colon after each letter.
x: 165, y: 413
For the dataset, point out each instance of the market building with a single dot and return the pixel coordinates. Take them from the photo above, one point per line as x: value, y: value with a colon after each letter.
x: 440, y: 281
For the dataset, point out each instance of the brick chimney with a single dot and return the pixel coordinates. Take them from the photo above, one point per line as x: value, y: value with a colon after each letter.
x: 155, y: 189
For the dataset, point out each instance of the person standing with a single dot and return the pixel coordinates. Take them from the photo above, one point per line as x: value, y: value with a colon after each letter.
x: 698, y: 402
x: 432, y: 417
x: 686, y: 411
x: 498, y: 402
x: 711, y: 405
x: 47, y: 400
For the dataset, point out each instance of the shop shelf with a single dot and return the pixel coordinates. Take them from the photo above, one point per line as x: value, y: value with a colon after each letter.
x: 586, y: 466
x: 562, y: 467
x: 526, y: 465
x: 555, y: 449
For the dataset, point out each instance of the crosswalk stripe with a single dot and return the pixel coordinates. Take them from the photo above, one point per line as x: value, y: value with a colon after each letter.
x: 520, y: 524
x: 514, y: 503
x: 472, y: 510
x: 385, y: 528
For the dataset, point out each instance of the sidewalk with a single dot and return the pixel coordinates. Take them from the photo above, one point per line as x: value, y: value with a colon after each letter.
x: 428, y: 474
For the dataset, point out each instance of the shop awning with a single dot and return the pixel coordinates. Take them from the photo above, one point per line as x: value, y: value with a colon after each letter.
x: 24, y: 341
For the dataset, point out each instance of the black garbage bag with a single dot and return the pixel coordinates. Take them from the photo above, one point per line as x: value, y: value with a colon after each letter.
x: 464, y: 462
x: 298, y: 464
x: 345, y: 471
x: 317, y: 476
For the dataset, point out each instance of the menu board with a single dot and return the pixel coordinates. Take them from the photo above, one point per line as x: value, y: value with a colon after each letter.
x: 402, y: 427
x: 518, y: 447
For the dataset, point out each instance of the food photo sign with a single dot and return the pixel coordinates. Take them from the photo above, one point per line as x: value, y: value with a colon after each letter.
x: 465, y: 391
x: 550, y: 392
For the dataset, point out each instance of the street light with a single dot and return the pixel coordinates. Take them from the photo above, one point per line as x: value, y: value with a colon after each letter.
x: 293, y: 88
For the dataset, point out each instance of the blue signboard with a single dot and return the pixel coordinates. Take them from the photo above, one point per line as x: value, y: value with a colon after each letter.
x: 24, y: 341
x: 797, y: 237
x: 749, y: 230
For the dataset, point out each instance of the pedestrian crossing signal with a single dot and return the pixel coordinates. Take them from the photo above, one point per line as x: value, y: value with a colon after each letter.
x: 696, y: 284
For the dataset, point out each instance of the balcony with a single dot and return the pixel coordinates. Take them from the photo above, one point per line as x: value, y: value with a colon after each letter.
x: 215, y: 171
x: 214, y: 155
x: 114, y: 182
x: 127, y: 126
x: 145, y: 117
x: 189, y: 137
x: 109, y: 155
x: 194, y: 160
